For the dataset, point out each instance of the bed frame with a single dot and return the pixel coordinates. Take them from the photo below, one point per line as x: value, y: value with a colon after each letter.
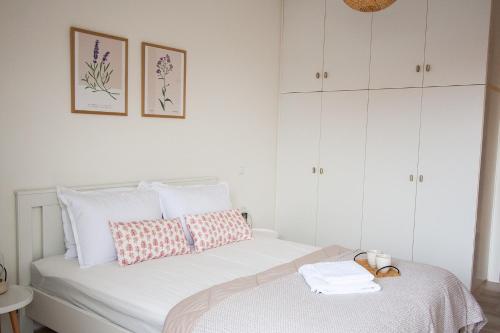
x: 40, y: 235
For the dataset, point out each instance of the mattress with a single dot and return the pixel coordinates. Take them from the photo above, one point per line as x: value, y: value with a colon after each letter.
x: 138, y: 297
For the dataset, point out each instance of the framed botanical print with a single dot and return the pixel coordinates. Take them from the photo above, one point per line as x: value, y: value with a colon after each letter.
x: 163, y: 81
x: 98, y: 73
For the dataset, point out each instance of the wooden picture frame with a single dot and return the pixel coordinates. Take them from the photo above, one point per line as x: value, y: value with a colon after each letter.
x: 163, y: 81
x: 99, y: 73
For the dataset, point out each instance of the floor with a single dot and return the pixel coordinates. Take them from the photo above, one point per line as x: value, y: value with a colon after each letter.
x: 488, y: 295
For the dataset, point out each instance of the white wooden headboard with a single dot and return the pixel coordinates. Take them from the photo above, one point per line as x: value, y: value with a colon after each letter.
x: 39, y: 223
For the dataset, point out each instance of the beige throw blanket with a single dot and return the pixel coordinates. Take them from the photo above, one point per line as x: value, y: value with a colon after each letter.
x: 423, y: 299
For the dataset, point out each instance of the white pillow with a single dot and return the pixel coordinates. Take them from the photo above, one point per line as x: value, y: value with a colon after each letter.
x: 69, y: 238
x: 90, y: 212
x: 178, y: 201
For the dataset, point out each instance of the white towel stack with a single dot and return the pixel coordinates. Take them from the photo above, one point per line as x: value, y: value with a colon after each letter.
x: 336, y: 278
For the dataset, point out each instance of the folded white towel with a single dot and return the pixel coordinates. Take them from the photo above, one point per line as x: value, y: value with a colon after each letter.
x: 338, y: 272
x: 343, y: 277
x: 320, y: 286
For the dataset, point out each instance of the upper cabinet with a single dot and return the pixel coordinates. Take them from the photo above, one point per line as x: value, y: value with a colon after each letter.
x: 347, y: 47
x: 398, y: 42
x: 327, y: 46
x: 302, y: 45
x: 456, y: 50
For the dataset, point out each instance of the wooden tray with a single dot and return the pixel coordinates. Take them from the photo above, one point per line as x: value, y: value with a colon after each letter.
x: 391, y: 273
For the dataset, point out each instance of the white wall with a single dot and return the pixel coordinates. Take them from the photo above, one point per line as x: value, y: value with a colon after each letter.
x: 232, y: 96
x: 487, y: 254
x: 494, y: 241
x: 488, y: 190
x: 494, y: 108
x: 493, y: 98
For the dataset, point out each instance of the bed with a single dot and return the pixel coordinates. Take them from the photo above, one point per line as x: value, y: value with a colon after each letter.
x: 139, y: 303
x: 164, y: 295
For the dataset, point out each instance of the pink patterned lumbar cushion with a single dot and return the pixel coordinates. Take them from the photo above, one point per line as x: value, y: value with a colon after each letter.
x: 215, y: 229
x: 150, y: 239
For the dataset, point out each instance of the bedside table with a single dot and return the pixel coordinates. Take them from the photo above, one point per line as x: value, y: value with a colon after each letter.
x: 265, y: 232
x: 15, y: 298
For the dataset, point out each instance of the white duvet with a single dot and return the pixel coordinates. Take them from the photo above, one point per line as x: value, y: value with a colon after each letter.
x: 138, y: 297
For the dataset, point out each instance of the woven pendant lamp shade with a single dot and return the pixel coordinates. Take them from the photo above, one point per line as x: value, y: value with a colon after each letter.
x: 369, y: 5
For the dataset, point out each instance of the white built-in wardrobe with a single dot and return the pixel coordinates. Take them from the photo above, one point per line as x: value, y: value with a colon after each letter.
x: 380, y: 127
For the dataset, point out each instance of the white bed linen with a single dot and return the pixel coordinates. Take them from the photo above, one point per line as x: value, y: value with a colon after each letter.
x: 138, y: 297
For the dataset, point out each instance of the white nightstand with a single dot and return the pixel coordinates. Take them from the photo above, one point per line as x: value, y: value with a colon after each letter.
x: 15, y: 298
x: 265, y: 232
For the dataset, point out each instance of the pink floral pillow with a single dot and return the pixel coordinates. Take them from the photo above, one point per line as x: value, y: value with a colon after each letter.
x: 150, y: 239
x: 215, y: 229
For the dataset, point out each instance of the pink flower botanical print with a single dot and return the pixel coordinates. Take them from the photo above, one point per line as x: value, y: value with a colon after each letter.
x: 163, y: 68
x: 150, y: 239
x: 218, y: 228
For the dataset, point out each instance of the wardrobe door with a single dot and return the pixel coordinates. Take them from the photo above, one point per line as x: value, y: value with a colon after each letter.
x: 449, y: 164
x: 302, y: 45
x: 347, y: 47
x: 390, y: 175
x: 342, y: 160
x: 398, y: 40
x: 297, y: 173
x: 456, y: 50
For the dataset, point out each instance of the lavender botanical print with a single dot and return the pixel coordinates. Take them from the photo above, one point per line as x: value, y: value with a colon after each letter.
x: 163, y: 81
x: 99, y: 73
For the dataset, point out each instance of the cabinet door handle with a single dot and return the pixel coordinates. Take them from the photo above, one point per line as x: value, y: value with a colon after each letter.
x: 321, y: 171
x: 418, y: 68
x: 313, y: 170
x: 411, y: 178
x: 421, y: 178
x: 325, y: 75
x: 318, y: 75
x: 427, y: 68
